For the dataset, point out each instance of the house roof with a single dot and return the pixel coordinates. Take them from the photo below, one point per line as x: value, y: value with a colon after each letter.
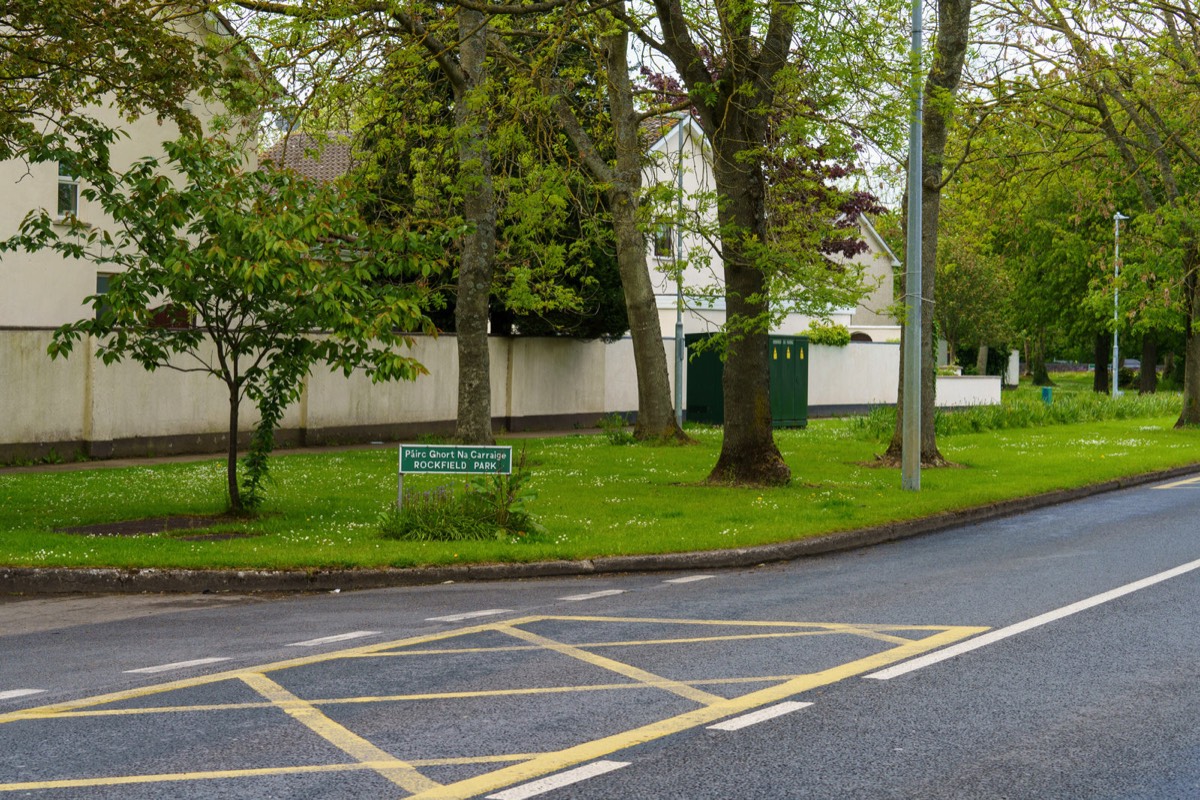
x: 660, y: 132
x: 321, y: 159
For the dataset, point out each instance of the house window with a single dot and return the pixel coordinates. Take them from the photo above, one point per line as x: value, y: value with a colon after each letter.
x: 102, y: 282
x: 68, y: 193
x: 664, y: 239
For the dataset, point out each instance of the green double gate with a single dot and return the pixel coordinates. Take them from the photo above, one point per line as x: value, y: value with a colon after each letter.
x: 788, y: 358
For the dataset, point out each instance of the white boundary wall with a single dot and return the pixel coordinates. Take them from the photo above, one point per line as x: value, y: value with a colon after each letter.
x: 537, y: 384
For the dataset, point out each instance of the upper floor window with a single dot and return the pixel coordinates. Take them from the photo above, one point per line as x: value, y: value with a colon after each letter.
x: 68, y: 193
x: 664, y: 241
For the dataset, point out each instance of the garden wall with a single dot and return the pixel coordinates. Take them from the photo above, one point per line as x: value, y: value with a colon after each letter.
x: 82, y: 406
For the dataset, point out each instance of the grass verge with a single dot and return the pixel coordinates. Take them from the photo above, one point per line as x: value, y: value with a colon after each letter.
x: 593, y: 498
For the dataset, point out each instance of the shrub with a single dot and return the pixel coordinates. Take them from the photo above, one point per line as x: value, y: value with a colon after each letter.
x: 828, y: 333
x: 616, y: 429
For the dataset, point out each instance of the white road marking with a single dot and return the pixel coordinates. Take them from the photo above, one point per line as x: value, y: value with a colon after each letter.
x: 690, y: 579
x: 341, y: 637
x: 12, y: 694
x: 1034, y: 622
x: 544, y: 785
x: 594, y: 595
x: 470, y: 615
x: 755, y: 717
x: 1177, y: 484
x: 177, y: 665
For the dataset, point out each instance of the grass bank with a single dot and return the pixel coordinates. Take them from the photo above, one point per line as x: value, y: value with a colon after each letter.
x: 594, y: 498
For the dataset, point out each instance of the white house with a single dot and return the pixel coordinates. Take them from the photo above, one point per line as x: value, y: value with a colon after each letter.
x: 681, y: 158
x: 43, y: 289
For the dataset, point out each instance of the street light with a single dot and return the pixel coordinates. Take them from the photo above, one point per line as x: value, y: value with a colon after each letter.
x: 1117, y: 217
x: 910, y: 449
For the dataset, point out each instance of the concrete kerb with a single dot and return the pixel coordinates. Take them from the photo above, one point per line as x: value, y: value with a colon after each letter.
x: 39, y: 581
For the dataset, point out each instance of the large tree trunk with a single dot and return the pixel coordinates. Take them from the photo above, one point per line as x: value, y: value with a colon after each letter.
x: 954, y: 20
x: 656, y: 412
x: 1100, y: 380
x: 1149, y: 377
x: 1037, y: 365
x: 474, y: 424
x: 981, y: 360
x: 748, y: 451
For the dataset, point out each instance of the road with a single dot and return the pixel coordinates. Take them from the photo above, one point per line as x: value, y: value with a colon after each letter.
x: 1050, y: 655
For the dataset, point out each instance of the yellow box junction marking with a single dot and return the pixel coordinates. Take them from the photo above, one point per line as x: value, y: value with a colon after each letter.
x: 1191, y: 483
x: 521, y: 767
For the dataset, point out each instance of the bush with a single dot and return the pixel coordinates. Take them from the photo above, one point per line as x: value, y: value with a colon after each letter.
x: 615, y: 429
x: 828, y: 333
x: 489, y: 507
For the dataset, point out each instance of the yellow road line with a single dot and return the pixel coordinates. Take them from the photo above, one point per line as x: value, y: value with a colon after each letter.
x: 553, y: 762
x: 1177, y: 484
x: 870, y: 633
x: 397, y: 698
x: 398, y: 772
x: 629, y: 671
x: 217, y: 677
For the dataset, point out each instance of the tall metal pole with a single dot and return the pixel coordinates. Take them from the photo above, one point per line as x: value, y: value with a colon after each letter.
x: 680, y: 345
x: 910, y: 467
x: 1117, y: 217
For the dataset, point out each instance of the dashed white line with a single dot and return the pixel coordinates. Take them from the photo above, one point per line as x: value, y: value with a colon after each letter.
x: 567, y: 778
x: 490, y: 612
x: 755, y: 717
x: 12, y: 694
x: 341, y: 637
x: 690, y: 579
x: 593, y: 595
x: 1029, y: 624
x: 177, y: 665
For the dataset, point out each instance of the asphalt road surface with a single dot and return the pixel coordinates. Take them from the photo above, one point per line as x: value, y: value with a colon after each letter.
x: 1050, y: 655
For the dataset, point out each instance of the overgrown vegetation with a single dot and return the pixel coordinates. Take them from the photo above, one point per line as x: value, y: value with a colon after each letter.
x: 489, y: 507
x: 827, y: 333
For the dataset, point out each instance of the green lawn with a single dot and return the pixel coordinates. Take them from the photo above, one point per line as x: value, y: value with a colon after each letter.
x: 594, y: 498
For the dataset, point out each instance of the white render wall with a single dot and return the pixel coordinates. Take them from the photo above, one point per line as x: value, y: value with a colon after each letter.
x: 537, y: 384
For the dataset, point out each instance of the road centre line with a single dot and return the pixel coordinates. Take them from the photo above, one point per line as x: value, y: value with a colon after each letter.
x: 558, y: 781
x: 1042, y: 619
x: 470, y: 615
x: 755, y: 717
x: 198, y: 662
x: 12, y: 694
x: 1177, y: 484
x: 690, y: 579
x: 594, y: 595
x: 341, y: 637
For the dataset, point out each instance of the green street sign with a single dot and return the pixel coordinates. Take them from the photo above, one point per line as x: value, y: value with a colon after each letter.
x: 451, y: 458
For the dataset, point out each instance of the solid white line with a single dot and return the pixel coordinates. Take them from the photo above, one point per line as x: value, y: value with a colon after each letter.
x: 178, y: 665
x: 341, y: 637
x: 557, y: 781
x: 1177, y: 484
x: 690, y: 579
x: 594, y: 595
x: 755, y: 717
x: 1034, y: 622
x: 470, y: 615
x: 12, y: 694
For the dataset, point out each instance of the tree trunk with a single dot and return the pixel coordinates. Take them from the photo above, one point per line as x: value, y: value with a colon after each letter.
x: 1100, y: 379
x: 981, y: 360
x: 1190, y: 413
x: 950, y: 48
x: 1038, y: 365
x: 474, y: 423
x: 656, y: 411
x: 1149, y: 377
x: 748, y: 451
x: 231, y: 455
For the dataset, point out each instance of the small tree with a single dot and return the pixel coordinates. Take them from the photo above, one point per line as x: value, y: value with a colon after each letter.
x: 252, y: 277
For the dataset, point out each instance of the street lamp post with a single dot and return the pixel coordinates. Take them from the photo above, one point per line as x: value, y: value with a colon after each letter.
x: 1117, y: 218
x: 910, y: 448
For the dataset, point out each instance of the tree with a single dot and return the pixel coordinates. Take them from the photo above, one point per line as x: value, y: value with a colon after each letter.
x: 762, y: 78
x: 251, y: 277
x: 61, y: 59
x: 941, y: 87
